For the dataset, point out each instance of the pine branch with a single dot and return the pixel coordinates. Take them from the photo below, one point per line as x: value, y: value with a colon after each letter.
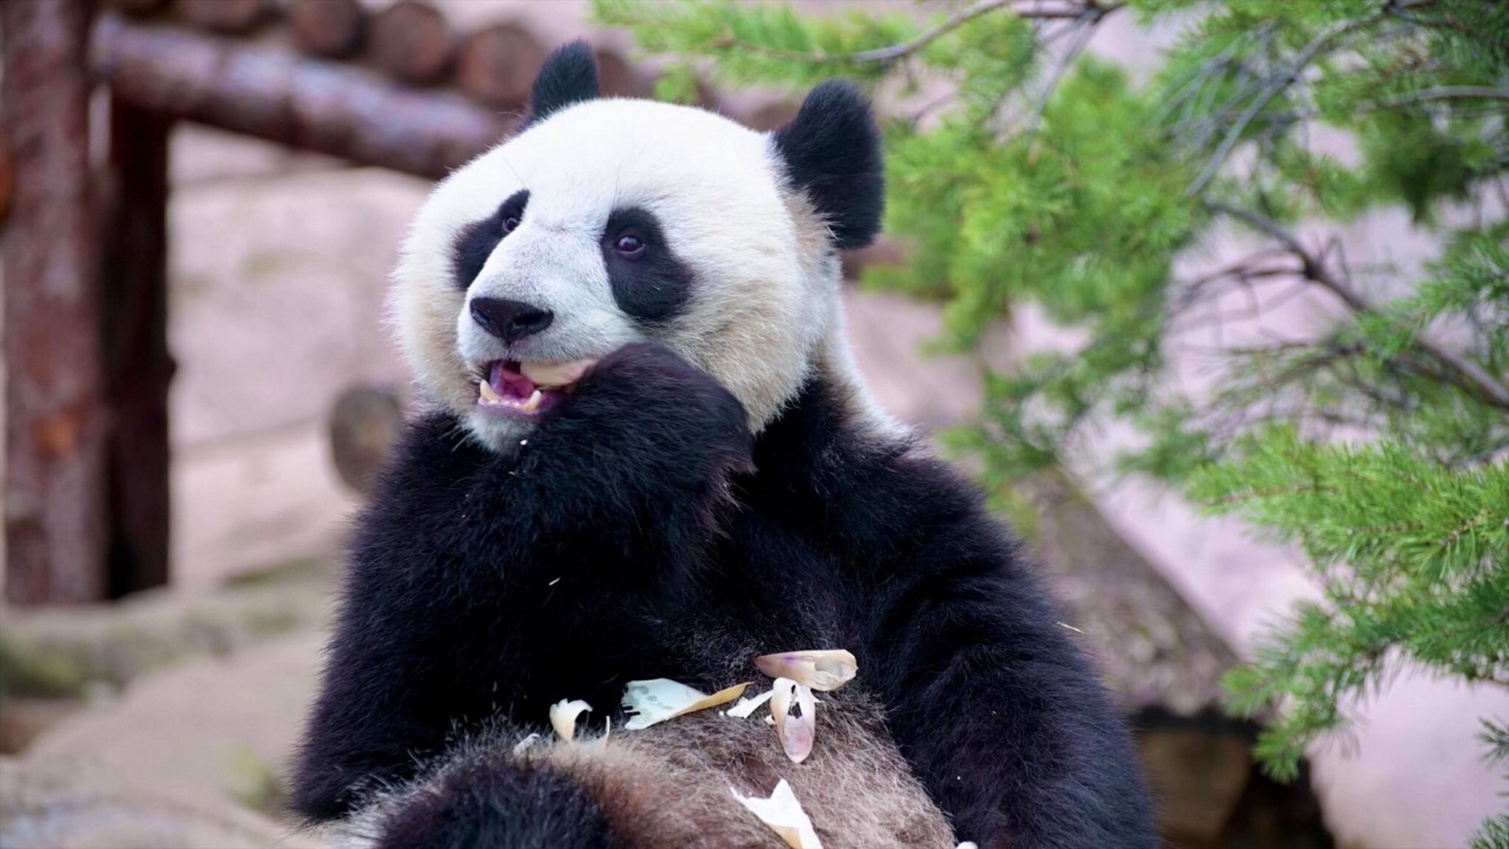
x: 1459, y: 371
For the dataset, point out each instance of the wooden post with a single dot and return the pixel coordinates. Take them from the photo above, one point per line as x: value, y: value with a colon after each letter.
x: 137, y: 365
x: 55, y: 421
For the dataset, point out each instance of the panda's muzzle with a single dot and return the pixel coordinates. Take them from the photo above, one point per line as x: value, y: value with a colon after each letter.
x: 528, y: 389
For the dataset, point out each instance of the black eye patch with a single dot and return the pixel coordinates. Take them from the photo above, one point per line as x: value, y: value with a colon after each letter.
x: 649, y: 282
x: 476, y: 242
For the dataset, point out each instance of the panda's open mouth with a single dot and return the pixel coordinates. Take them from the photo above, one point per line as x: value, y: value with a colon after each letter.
x: 527, y: 389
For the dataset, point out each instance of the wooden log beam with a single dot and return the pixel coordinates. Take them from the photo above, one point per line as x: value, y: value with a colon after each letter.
x: 365, y: 423
x: 412, y: 41
x: 497, y: 64
x: 332, y: 28
x: 55, y: 423
x: 137, y: 7
x: 228, y: 16
x: 138, y: 368
x: 619, y: 76
x: 277, y: 95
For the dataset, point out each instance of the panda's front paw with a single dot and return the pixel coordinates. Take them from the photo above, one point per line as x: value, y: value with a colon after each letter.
x: 647, y: 398
x: 655, y: 380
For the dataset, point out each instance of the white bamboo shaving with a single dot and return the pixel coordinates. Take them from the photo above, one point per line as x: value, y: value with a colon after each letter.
x: 555, y: 374
x: 563, y: 716
x: 655, y: 701
x: 746, y: 707
x: 523, y: 745
x: 796, y: 733
x: 784, y: 814
x: 826, y: 669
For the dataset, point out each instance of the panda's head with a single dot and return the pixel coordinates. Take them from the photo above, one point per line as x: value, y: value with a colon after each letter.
x: 610, y: 221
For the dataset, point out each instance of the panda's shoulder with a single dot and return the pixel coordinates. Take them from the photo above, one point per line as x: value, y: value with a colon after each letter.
x: 869, y: 475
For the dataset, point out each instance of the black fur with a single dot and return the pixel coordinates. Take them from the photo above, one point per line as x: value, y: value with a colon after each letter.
x: 476, y: 242
x: 494, y: 804
x: 455, y: 565
x: 653, y: 286
x: 833, y: 154
x: 631, y: 538
x: 568, y: 76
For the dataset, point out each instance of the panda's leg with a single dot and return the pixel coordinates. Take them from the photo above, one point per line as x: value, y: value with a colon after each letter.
x: 497, y: 802
x: 483, y: 582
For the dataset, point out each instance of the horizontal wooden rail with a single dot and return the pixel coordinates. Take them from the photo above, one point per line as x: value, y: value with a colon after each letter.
x: 281, y: 96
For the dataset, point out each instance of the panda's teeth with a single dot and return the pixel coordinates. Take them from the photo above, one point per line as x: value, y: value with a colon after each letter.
x: 488, y: 396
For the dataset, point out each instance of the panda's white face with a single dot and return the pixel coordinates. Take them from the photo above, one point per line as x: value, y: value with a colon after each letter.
x: 610, y: 222
x: 607, y: 222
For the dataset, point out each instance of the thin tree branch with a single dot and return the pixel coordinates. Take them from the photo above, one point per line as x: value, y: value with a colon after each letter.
x: 894, y: 52
x: 1460, y: 92
x: 967, y: 14
x: 1424, y: 96
x: 1459, y: 371
x: 1084, y: 27
x: 1274, y: 88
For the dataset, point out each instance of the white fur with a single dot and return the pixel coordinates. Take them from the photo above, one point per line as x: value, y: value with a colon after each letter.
x: 764, y: 310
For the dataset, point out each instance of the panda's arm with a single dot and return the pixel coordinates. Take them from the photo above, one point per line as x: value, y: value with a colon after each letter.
x: 995, y: 707
x: 482, y: 583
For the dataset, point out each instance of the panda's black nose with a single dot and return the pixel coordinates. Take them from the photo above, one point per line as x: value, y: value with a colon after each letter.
x: 509, y: 320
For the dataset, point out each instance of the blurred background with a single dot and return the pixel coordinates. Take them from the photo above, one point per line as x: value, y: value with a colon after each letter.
x: 1212, y: 297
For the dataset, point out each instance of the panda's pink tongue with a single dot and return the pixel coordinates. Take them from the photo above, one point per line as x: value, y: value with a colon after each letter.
x: 509, y: 382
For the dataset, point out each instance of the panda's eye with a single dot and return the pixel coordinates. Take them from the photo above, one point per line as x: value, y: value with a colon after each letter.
x: 629, y: 245
x: 510, y: 224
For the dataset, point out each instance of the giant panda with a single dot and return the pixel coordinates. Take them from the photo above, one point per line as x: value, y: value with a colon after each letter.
x: 716, y: 485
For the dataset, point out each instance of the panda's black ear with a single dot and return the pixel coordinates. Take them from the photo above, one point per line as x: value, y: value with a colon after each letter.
x: 568, y: 76
x: 832, y: 153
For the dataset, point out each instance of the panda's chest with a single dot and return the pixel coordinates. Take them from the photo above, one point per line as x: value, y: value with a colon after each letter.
x: 774, y: 582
